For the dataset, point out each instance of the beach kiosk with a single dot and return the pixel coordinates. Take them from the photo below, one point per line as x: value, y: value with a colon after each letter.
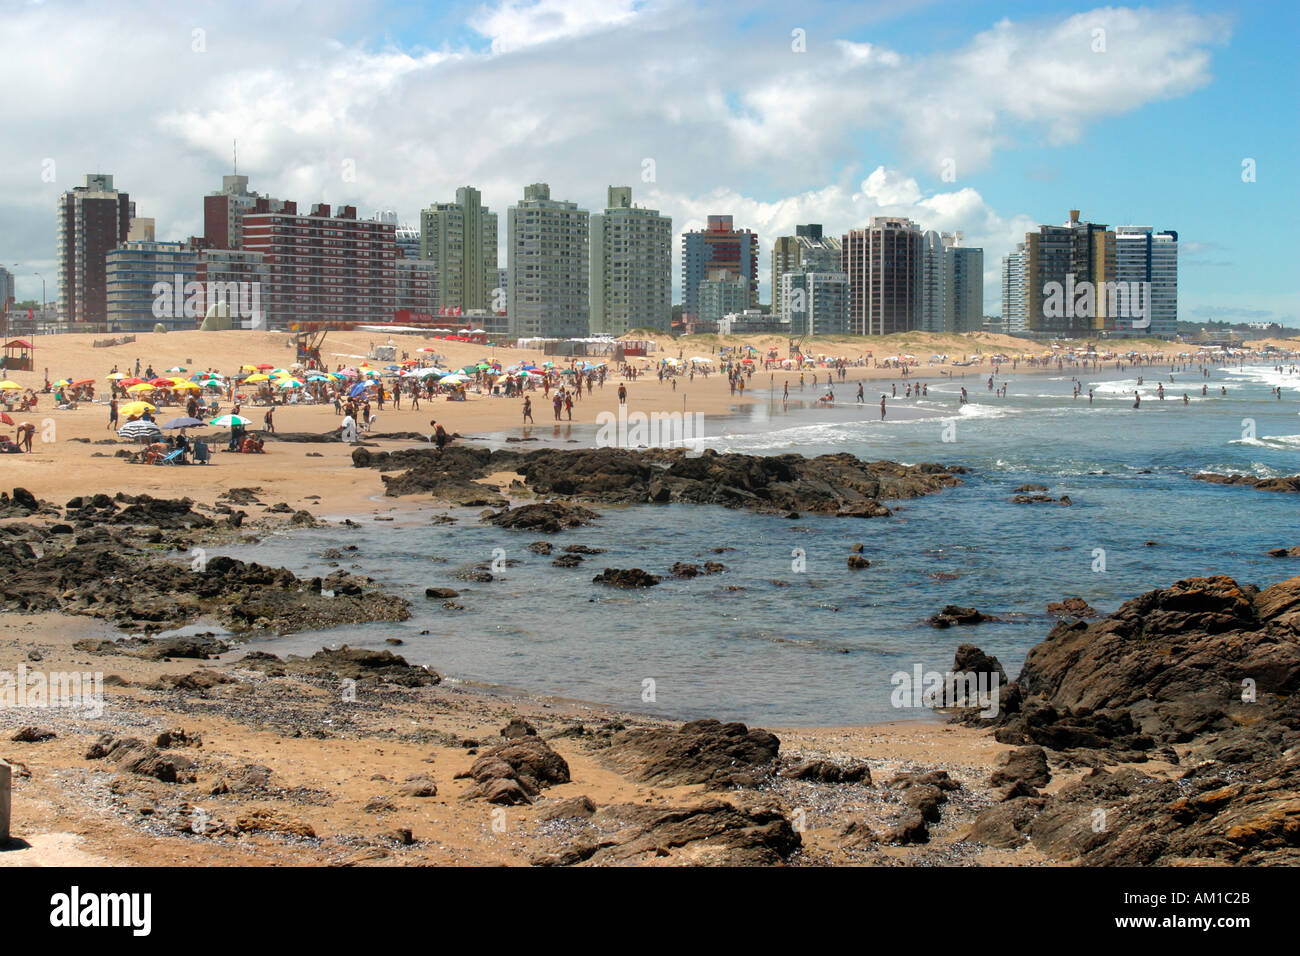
x: 18, y: 355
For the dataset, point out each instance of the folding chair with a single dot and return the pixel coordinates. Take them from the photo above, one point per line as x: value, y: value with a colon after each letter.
x: 171, y: 458
x: 201, y: 453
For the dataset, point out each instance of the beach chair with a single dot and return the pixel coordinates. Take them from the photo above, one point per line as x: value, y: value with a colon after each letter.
x: 171, y: 458
x: 201, y: 455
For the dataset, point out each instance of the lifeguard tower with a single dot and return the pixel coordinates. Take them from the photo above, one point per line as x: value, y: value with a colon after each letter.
x: 18, y: 355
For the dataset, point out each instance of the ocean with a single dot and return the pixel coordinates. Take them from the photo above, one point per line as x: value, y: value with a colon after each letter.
x: 788, y: 635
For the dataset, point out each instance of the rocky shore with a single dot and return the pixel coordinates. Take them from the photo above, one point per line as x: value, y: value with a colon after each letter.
x: 839, y: 485
x: 1163, y: 733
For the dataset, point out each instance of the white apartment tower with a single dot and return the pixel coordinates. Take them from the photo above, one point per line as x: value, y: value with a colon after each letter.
x: 1143, y: 255
x: 549, y: 267
x: 631, y: 266
x: 1015, y: 301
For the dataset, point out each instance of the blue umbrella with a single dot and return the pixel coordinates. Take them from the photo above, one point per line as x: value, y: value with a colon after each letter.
x: 355, y: 390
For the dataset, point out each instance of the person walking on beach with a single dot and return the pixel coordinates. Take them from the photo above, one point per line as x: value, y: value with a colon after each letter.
x: 268, y: 420
x: 112, y: 414
x: 528, y: 409
x: 440, y: 436
x: 622, y: 394
x: 568, y: 405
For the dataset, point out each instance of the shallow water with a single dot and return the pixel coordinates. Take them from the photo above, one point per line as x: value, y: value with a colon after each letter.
x: 819, y: 646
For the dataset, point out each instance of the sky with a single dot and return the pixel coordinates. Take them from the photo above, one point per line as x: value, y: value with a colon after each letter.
x: 979, y: 117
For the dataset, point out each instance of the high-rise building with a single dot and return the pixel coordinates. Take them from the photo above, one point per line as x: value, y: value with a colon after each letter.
x: 964, y: 307
x: 236, y: 277
x: 935, y: 269
x: 1057, y: 260
x: 631, y: 266
x: 417, y: 285
x: 146, y: 286
x: 92, y: 219
x: 6, y: 289
x: 720, y: 294
x: 718, y: 246
x: 1145, y: 256
x: 549, y: 263
x: 322, y: 267
x: 223, y: 212
x: 814, y: 302
x: 884, y: 263
x: 808, y: 250
x: 461, y: 239
x: 1015, y: 301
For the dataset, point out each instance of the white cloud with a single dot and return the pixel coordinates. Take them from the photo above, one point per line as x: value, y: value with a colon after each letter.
x: 575, y: 93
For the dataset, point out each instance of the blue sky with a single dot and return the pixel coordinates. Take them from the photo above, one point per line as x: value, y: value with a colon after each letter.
x: 421, y: 98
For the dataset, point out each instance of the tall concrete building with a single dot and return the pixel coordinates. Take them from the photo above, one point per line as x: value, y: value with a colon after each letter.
x: 1145, y: 256
x: 884, y: 263
x: 6, y: 289
x: 548, y: 266
x: 718, y: 246
x: 964, y: 308
x: 223, y: 212
x: 631, y: 266
x: 1057, y: 259
x: 323, y: 267
x: 935, y: 277
x: 146, y: 283
x: 1015, y: 301
x: 720, y: 294
x: 815, y: 302
x: 461, y: 239
x: 417, y: 286
x: 808, y: 249
x: 92, y: 219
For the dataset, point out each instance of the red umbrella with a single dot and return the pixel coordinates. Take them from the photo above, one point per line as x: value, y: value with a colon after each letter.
x: 162, y: 382
x: 265, y: 366
x: 128, y: 382
x: 4, y: 417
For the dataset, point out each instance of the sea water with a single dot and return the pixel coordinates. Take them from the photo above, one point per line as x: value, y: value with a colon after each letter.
x: 788, y: 635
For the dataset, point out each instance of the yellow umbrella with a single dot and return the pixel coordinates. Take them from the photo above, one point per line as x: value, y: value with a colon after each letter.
x: 118, y: 375
x: 183, y: 386
x: 8, y: 384
x: 135, y: 408
x: 258, y: 378
x: 141, y: 387
x: 248, y: 368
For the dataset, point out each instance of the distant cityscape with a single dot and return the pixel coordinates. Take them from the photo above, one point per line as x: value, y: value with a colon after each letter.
x: 570, y: 273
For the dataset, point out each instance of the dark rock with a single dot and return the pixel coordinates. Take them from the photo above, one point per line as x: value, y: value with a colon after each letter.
x: 626, y: 578
x: 696, y: 752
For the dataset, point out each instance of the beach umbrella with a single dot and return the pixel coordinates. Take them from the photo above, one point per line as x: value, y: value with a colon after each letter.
x: 454, y: 379
x: 140, y: 430
x: 265, y: 366
x: 63, y: 382
x: 184, y: 386
x: 290, y: 383
x: 142, y: 387
x: 318, y: 378
x: 135, y: 408
x: 225, y: 421
x: 161, y: 382
x: 6, y: 384
x: 185, y: 421
x: 177, y: 368
x: 83, y: 381
x: 127, y: 382
x: 4, y: 417
x: 117, y: 375
x: 257, y: 378
x: 357, y: 389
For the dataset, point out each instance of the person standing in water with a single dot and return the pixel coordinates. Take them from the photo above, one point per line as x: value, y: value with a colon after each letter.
x: 1137, y: 400
x: 882, y: 408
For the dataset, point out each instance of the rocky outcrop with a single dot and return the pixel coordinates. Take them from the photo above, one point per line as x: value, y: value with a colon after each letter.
x: 828, y: 484
x: 626, y: 578
x: 550, y: 517
x: 1289, y: 483
x: 515, y: 772
x: 702, y: 751
x: 365, y: 666
x: 1071, y: 607
x: 954, y: 615
x: 1200, y: 678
